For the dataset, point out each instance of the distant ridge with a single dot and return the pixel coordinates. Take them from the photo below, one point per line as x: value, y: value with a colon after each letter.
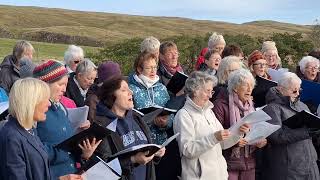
x: 96, y: 28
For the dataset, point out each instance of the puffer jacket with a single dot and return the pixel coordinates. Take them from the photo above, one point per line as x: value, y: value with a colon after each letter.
x: 201, y: 152
x: 289, y: 153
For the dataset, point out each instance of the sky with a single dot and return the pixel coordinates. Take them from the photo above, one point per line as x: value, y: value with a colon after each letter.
x: 234, y: 11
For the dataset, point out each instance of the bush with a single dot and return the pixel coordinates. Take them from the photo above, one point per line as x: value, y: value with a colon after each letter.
x: 125, y: 52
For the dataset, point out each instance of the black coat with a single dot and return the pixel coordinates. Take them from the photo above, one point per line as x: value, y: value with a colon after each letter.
x: 73, y: 91
x: 9, y: 72
x: 289, y: 153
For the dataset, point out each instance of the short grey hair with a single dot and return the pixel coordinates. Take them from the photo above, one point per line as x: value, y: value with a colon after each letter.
x: 86, y: 66
x: 215, y: 39
x: 287, y: 79
x: 238, y: 78
x: 73, y: 52
x: 20, y: 48
x: 305, y: 61
x: 150, y: 45
x: 196, y: 81
x: 224, y: 68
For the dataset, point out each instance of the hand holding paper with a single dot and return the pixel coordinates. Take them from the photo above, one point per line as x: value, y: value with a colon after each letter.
x: 222, y: 135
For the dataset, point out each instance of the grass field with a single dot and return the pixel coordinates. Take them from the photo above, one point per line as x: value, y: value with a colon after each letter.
x: 42, y: 50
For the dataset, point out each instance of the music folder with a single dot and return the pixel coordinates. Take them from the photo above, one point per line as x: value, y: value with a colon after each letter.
x: 72, y: 144
x: 302, y: 119
x: 177, y: 82
x: 259, y: 92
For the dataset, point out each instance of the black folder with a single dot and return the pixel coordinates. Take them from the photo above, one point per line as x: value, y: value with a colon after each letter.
x: 177, y: 82
x: 72, y: 144
x: 150, y: 113
x: 303, y: 119
x: 259, y: 92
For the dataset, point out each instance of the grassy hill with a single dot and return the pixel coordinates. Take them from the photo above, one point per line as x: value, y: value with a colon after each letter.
x: 95, y: 28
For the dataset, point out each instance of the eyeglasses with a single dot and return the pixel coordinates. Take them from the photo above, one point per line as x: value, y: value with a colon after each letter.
x: 151, y: 68
x: 210, y: 92
x: 270, y: 55
x: 260, y: 64
x: 313, y: 68
x: 172, y: 53
x: 295, y: 91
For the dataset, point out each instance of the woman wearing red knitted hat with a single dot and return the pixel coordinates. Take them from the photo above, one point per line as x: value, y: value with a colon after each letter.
x: 258, y: 64
x: 57, y: 127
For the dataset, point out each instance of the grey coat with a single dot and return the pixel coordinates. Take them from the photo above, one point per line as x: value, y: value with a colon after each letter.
x: 290, y: 154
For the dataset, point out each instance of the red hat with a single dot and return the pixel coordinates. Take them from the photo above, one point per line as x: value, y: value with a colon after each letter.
x: 50, y: 71
x: 255, y: 56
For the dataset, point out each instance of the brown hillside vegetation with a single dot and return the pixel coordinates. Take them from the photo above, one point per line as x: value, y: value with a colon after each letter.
x: 95, y: 28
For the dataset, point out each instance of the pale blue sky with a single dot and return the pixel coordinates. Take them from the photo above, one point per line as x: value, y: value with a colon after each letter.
x: 236, y: 11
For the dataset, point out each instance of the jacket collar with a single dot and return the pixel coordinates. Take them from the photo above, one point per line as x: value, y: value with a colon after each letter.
x: 191, y: 105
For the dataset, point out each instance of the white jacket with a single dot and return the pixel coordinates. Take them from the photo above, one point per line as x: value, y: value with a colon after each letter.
x: 201, y: 152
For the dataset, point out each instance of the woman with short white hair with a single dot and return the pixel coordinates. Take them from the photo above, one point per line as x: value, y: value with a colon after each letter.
x: 201, y: 134
x: 80, y: 81
x: 290, y: 153
x: 72, y: 57
x: 227, y: 66
x: 270, y: 52
x: 150, y: 45
x: 309, y: 69
x: 229, y: 108
x: 216, y: 43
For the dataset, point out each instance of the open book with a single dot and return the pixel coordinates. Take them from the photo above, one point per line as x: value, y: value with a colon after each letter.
x: 78, y: 116
x: 302, y: 119
x: 177, y: 82
x: 96, y: 168
x: 151, y: 148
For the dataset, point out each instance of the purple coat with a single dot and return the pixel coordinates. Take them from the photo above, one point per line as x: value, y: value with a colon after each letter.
x: 221, y: 110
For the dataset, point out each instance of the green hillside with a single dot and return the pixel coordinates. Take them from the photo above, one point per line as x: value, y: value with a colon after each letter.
x: 95, y: 29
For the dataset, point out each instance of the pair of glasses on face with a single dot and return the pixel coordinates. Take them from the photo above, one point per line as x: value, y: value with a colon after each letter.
x: 260, y: 64
x: 76, y: 61
x: 154, y: 68
x: 210, y: 92
x: 317, y: 68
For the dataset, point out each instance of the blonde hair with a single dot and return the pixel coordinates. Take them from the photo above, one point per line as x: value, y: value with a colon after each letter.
x: 150, y: 44
x: 215, y: 39
x: 25, y: 94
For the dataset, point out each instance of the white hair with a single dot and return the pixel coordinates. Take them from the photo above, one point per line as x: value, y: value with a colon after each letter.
x: 224, y: 68
x: 303, y: 63
x: 73, y: 52
x: 150, y: 45
x: 215, y: 39
x: 197, y: 80
x: 238, y: 78
x: 86, y: 66
x: 287, y: 79
x: 270, y: 45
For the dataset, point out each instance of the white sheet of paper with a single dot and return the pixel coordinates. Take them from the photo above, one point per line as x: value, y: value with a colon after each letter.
x: 78, y: 116
x: 276, y: 74
x: 100, y: 171
x: 4, y: 106
x: 254, y: 117
x: 115, y: 165
x: 260, y: 131
x: 113, y: 125
x: 231, y: 141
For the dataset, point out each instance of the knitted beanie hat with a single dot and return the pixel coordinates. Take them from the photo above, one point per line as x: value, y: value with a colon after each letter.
x: 254, y: 56
x: 107, y: 70
x: 268, y: 45
x: 50, y: 71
